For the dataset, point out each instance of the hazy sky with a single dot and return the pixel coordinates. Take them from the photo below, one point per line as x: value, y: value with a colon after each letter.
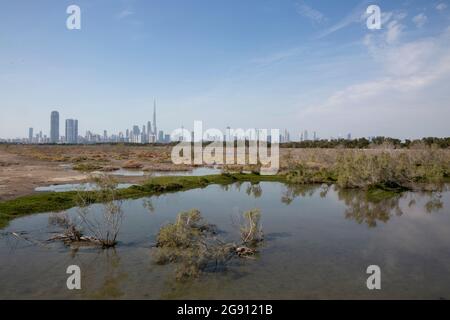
x: 256, y: 63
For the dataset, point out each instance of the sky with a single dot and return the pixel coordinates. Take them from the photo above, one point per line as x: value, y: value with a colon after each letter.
x: 286, y: 64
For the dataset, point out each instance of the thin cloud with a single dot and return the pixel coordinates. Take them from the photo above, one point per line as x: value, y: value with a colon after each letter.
x: 308, y: 12
x: 420, y: 20
x: 124, y: 14
x: 357, y: 15
x: 441, y: 6
x: 414, y: 73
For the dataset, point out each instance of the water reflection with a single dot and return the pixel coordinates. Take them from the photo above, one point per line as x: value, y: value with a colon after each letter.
x: 294, y: 191
x: 314, y: 236
x: 254, y: 190
x: 365, y: 211
x: 113, y: 276
x: 361, y: 208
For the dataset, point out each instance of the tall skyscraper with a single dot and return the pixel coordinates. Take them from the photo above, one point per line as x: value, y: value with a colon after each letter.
x: 155, y: 129
x: 54, y: 127
x: 30, y: 135
x: 71, y: 131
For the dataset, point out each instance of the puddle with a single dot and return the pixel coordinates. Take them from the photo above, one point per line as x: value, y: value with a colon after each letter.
x: 76, y: 187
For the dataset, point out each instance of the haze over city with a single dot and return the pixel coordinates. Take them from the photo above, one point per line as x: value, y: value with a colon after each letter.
x: 296, y: 65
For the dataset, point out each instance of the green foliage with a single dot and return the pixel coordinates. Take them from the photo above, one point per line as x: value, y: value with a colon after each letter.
x: 86, y: 167
x: 185, y: 232
x: 52, y: 201
x: 191, y: 243
x: 304, y: 174
x: 388, y: 170
x: 363, y: 143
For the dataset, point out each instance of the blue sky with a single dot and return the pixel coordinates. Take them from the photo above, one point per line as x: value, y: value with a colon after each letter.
x: 290, y: 64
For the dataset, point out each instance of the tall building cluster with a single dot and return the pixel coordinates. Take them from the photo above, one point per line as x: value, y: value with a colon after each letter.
x: 148, y: 133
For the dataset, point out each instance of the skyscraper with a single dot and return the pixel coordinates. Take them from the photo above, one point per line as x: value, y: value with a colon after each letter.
x: 54, y: 127
x: 155, y: 129
x: 149, y: 128
x: 30, y: 135
x: 71, y: 131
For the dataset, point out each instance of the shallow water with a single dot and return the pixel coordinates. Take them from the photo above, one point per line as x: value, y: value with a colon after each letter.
x: 76, y: 187
x: 140, y: 173
x: 318, y: 245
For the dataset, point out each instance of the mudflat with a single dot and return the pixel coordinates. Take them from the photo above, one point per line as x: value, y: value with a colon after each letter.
x: 25, y: 167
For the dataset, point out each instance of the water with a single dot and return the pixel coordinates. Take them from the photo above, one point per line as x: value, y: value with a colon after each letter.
x: 318, y: 245
x: 76, y: 187
x: 140, y: 173
x: 196, y: 172
x: 127, y: 173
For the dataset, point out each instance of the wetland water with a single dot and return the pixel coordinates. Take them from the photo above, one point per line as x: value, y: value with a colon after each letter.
x: 317, y: 245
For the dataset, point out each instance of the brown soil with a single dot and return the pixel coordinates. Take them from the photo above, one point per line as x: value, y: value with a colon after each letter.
x: 25, y: 167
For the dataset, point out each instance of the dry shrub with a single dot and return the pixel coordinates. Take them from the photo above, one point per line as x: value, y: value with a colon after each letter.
x: 132, y: 164
x: 251, y: 229
x: 106, y: 229
x: 192, y: 244
x: 375, y: 168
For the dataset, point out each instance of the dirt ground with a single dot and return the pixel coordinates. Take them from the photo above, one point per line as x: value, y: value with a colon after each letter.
x: 25, y: 167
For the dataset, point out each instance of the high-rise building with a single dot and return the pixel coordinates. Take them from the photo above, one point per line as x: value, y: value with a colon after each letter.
x: 155, y: 129
x: 54, y: 127
x: 161, y: 136
x: 71, y: 131
x: 149, y: 128
x: 30, y: 135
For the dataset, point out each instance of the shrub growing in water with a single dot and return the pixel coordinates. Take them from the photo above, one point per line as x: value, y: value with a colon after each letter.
x: 191, y: 243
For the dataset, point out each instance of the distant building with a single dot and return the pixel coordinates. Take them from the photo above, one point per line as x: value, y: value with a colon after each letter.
x: 30, y: 135
x: 71, y: 131
x: 161, y: 136
x: 167, y: 138
x: 54, y: 127
x: 155, y: 129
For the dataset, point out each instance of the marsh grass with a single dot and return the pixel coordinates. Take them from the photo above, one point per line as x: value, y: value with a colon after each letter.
x: 388, y: 169
x: 192, y: 244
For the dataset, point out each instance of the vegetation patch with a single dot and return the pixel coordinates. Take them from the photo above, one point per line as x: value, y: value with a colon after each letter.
x: 51, y: 202
x: 192, y: 244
